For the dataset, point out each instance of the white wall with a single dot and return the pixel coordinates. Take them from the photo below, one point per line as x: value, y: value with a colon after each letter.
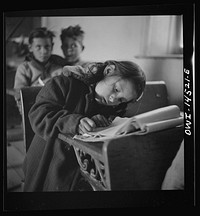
x: 168, y: 70
x: 106, y: 37
x: 124, y: 37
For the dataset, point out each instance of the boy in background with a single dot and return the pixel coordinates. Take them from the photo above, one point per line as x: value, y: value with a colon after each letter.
x: 72, y: 45
x: 39, y: 65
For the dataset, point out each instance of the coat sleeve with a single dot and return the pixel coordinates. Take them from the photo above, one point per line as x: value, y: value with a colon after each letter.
x: 50, y: 115
x: 21, y: 78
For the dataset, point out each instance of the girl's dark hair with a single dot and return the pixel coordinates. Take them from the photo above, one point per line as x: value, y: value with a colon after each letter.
x: 130, y: 71
x: 124, y: 69
x: 73, y: 32
x: 41, y: 32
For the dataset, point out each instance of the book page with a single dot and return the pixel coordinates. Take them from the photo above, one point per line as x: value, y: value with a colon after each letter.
x: 164, y: 113
x: 155, y: 120
x: 160, y: 125
x: 118, y: 126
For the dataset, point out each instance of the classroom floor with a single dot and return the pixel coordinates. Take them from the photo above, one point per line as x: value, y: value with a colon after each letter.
x: 15, y: 156
x: 15, y: 150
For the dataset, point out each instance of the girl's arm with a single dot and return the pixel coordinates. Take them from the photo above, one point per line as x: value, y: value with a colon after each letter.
x: 50, y: 115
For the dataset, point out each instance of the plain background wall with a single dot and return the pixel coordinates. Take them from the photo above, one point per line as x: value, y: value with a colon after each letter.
x: 123, y: 38
x: 106, y: 37
x: 169, y: 70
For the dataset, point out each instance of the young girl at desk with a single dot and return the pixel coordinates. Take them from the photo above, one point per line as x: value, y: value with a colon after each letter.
x: 75, y: 102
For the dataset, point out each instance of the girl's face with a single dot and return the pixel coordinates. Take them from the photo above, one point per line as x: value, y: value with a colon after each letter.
x: 71, y: 49
x: 113, y: 90
x: 41, y: 49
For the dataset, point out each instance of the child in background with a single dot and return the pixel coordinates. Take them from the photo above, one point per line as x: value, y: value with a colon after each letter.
x: 75, y: 102
x: 72, y: 45
x: 39, y: 64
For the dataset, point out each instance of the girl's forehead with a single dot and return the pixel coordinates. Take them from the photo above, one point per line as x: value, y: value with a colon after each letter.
x: 120, y: 81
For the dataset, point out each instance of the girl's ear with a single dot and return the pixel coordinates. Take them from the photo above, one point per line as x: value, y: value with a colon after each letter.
x: 109, y: 69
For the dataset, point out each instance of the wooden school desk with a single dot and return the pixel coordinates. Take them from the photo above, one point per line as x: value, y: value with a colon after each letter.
x: 131, y: 162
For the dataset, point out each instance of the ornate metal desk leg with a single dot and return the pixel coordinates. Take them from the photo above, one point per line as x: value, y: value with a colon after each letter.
x: 92, y: 168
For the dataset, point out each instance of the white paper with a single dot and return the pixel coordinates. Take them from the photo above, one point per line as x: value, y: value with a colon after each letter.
x: 155, y: 120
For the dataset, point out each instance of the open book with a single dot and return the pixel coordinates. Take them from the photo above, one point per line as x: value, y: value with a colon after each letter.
x: 155, y: 120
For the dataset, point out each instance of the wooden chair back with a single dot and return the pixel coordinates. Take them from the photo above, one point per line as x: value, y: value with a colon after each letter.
x: 155, y: 96
x: 28, y: 96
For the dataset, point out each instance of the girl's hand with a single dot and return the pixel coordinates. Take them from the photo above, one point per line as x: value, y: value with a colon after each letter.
x: 101, y: 121
x: 86, y: 125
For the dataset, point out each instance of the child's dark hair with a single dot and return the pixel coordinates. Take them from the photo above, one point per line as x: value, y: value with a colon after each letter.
x: 41, y: 32
x: 124, y: 69
x: 74, y: 32
x: 130, y: 71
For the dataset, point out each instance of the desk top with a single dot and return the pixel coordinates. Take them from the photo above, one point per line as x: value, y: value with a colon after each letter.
x: 93, y: 148
x: 97, y: 148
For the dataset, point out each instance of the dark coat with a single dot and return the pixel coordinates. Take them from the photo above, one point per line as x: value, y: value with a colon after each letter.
x: 50, y: 164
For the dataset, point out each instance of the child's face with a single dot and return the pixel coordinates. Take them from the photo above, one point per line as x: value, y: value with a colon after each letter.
x: 114, y: 90
x: 71, y: 49
x: 41, y: 49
